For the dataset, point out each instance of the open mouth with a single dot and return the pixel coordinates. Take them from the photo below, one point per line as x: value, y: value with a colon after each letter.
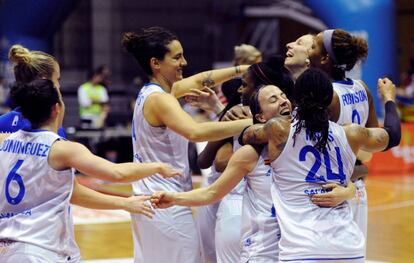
x: 285, y: 112
x: 289, y: 54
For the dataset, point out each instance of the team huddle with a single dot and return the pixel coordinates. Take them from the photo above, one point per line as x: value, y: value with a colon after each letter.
x: 284, y: 163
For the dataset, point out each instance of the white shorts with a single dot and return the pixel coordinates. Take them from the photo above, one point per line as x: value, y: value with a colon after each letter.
x: 19, y: 252
x: 206, y: 224
x: 359, y: 206
x: 228, y: 229
x: 170, y: 236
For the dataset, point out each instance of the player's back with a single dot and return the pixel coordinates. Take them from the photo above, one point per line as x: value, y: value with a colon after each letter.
x: 310, y: 231
x: 353, y: 99
x: 34, y: 208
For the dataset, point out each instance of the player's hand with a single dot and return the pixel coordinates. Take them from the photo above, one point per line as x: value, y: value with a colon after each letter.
x: 338, y: 195
x: 205, y: 99
x: 386, y: 89
x: 139, y: 205
x: 162, y: 199
x: 237, y: 113
x: 167, y: 171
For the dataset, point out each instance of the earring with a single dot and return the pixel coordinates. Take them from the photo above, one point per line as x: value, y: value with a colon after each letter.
x: 307, y: 61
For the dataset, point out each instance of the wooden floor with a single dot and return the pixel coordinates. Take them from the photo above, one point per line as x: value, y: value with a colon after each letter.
x: 390, y: 225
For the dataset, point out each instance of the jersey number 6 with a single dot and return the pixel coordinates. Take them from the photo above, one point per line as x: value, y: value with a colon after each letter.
x: 13, y: 176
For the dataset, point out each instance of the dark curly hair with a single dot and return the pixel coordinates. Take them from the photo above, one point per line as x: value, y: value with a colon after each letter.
x: 348, y: 50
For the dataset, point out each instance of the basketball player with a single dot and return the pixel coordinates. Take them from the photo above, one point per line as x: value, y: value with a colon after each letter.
x: 335, y: 51
x: 36, y: 222
x: 161, y: 130
x: 229, y: 218
x: 28, y: 66
x: 258, y: 240
x: 206, y: 215
x: 312, y: 151
x: 31, y: 65
x: 229, y: 213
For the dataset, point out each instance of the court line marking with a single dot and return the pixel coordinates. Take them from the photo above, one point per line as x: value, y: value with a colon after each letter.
x: 406, y: 185
x: 391, y: 206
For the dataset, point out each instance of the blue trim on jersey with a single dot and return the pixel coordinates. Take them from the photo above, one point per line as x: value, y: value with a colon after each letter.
x: 61, y: 132
x: 305, y: 259
x: 152, y: 83
x: 345, y: 81
x: 34, y: 130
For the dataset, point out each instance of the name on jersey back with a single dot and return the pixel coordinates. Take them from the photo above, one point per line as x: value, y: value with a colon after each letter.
x: 29, y: 148
x: 354, y: 98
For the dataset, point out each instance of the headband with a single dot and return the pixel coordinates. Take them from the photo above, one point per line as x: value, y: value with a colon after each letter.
x: 327, y: 43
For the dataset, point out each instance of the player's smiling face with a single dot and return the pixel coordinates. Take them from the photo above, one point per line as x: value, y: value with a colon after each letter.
x: 297, y: 52
x: 246, y: 89
x: 273, y: 103
x: 171, y: 67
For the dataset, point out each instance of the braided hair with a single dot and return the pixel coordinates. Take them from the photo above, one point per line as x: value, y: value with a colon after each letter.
x: 313, y: 94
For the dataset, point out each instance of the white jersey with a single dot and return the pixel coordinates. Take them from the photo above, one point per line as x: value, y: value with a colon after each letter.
x: 158, y: 144
x: 34, y: 207
x: 212, y: 176
x: 206, y: 221
x: 228, y: 223
x: 173, y: 228
x: 260, y: 229
x: 309, y: 231
x: 241, y: 186
x: 354, y: 103
x: 355, y: 109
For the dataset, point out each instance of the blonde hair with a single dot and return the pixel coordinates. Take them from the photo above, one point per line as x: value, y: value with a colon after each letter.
x: 31, y: 65
x: 246, y: 55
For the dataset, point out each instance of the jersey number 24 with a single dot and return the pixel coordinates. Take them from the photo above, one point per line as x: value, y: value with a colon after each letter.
x: 313, y: 176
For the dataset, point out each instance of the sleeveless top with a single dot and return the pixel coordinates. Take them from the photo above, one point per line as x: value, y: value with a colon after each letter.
x: 260, y: 229
x: 353, y: 100
x: 309, y: 231
x: 35, y: 206
x: 158, y: 144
